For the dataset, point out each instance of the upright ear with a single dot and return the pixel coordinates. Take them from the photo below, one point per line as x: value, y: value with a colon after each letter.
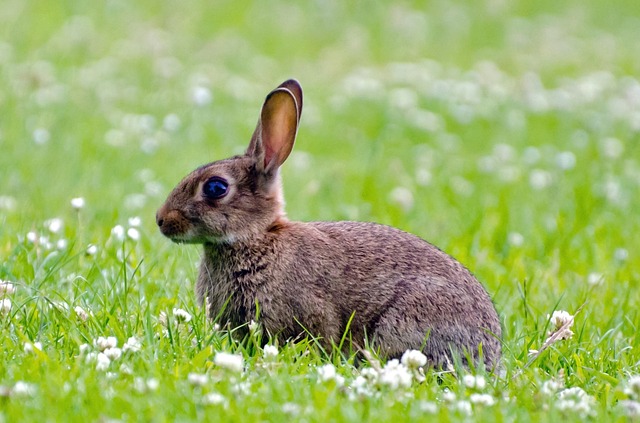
x: 277, y: 127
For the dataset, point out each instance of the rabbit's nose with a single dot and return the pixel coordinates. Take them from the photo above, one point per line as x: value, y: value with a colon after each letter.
x: 159, y: 220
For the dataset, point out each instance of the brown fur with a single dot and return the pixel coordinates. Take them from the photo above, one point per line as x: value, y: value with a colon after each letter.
x: 402, y: 292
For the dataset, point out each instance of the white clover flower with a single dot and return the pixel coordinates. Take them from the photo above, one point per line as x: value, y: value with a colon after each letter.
x: 448, y: 396
x: 29, y: 348
x: 214, y: 398
x: 81, y: 313
x: 162, y: 318
x: 253, y: 326
x: 5, y: 306
x: 270, y: 352
x: 633, y: 387
x: 576, y: 400
x: 118, y: 232
x: 428, y: 407
x: 84, y: 349
x: 102, y: 362
x: 134, y: 221
x: 469, y: 381
x: 403, y: 197
x: 621, y: 254
x: 566, y: 160
x: 464, y: 407
x: 134, y: 234
x: 558, y: 319
x: 291, y: 408
x: 61, y: 244
x: 241, y: 388
x: 231, y: 362
x: 132, y: 344
x: 540, y: 179
x: 361, y: 387
x: 181, y: 315
x: 481, y: 383
x: 482, y: 399
x: 631, y: 408
x: 328, y: 373
x: 92, y: 250
x: 23, y: 389
x: 113, y: 353
x: 7, y: 288
x: 201, y: 96
x: 595, y: 278
x: 41, y: 136
x: 395, y: 375
x: 54, y: 225
x: 153, y: 384
x: 197, y: 379
x: 370, y: 374
x: 77, y: 203
x: 515, y: 239
x: 412, y: 359
x: 550, y: 387
x: 171, y: 122
x: 126, y: 369
x: 103, y: 343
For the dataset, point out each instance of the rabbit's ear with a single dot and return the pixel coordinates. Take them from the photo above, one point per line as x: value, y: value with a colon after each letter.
x: 277, y: 127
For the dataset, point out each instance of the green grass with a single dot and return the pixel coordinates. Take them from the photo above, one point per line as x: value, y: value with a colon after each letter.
x: 506, y: 133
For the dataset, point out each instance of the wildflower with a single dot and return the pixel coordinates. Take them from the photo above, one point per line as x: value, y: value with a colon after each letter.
x: 54, y: 225
x: 428, y: 407
x: 550, y: 387
x: 515, y: 239
x: 132, y: 344
x: 103, y: 343
x: 134, y: 221
x: 153, y: 384
x: 631, y: 408
x: 162, y: 318
x: 113, y: 353
x: 328, y: 373
x: 29, y: 348
x: 214, y: 398
x: 576, y: 400
x: 6, y: 288
x: 395, y: 375
x: 32, y: 237
x: 81, y: 313
x: 201, y: 96
x: 41, y: 136
x: 118, y: 232
x: 403, y: 197
x: 197, y: 379
x: 5, y: 306
x: 92, y: 250
x: 133, y: 233
x: 558, y: 320
x: 102, y: 362
x: 566, y: 160
x: 181, y: 315
x: 84, y: 349
x: 621, y: 254
x: 482, y: 399
x: 291, y: 408
x: 633, y: 387
x: 464, y: 407
x: 61, y: 244
x: 595, y: 278
x: 448, y: 396
x: 413, y: 359
x: 231, y: 362
x: 253, y: 326
x: 23, y: 389
x: 242, y: 388
x: 77, y: 203
x: 270, y: 352
x: 469, y: 381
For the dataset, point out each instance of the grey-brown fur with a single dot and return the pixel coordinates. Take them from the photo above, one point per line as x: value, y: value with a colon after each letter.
x: 402, y: 292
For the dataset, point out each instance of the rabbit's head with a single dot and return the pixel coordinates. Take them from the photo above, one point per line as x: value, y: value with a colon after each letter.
x: 237, y: 197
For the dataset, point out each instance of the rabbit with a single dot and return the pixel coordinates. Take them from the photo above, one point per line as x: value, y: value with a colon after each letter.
x: 383, y: 287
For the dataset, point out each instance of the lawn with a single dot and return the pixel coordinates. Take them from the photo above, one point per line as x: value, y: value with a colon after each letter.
x: 506, y: 133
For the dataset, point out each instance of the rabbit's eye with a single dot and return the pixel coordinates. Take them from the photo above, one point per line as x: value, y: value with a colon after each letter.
x: 215, y: 188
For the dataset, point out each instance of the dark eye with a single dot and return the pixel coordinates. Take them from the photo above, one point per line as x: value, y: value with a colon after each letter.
x: 215, y: 188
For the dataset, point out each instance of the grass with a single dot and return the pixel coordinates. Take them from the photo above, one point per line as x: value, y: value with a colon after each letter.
x: 504, y: 132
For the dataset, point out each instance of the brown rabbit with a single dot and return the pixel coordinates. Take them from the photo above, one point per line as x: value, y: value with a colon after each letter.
x: 399, y: 291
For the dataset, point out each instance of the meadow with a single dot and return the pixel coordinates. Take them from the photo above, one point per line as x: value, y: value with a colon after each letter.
x: 506, y: 133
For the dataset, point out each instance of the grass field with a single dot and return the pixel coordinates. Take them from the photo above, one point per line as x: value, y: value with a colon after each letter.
x: 506, y: 133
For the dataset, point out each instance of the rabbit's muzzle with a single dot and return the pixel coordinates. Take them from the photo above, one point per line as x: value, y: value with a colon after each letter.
x: 173, y: 224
